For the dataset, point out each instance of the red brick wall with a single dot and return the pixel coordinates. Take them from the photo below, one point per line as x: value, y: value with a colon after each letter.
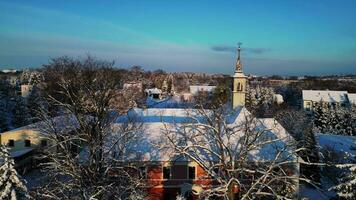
x: 158, y: 189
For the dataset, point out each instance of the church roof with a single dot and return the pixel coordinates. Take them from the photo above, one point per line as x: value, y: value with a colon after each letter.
x: 152, y: 144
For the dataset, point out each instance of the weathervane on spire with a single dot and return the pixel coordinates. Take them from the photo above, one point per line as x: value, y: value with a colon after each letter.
x: 238, y: 63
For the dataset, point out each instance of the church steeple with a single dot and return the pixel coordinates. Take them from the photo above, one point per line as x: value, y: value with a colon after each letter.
x: 238, y: 62
x: 239, y: 82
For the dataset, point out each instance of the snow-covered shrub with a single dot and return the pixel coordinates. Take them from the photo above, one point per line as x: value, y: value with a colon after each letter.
x: 180, y: 197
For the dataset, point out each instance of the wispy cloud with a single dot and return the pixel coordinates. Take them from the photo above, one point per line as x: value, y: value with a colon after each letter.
x: 225, y: 48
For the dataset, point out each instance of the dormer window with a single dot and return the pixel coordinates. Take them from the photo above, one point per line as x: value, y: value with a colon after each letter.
x: 191, y: 172
x: 166, y: 172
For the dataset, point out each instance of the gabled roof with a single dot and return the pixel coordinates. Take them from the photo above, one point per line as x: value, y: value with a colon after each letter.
x: 156, y: 123
x: 60, y: 123
x: 325, y: 96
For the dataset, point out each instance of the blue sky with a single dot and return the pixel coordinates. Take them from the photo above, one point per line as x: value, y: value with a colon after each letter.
x: 279, y: 37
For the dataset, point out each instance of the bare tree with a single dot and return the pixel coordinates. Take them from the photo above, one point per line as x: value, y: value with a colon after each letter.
x: 85, y: 153
x: 256, y: 156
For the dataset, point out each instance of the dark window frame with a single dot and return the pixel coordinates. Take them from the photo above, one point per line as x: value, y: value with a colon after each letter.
x: 166, y: 172
x: 11, y: 143
x: 27, y: 143
x: 192, y: 172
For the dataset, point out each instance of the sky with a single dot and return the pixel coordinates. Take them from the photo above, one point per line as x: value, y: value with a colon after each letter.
x: 301, y: 37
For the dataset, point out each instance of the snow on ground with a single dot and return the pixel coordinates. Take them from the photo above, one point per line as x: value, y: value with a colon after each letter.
x: 34, y: 178
x: 169, y: 102
x: 314, y: 194
x: 345, y: 145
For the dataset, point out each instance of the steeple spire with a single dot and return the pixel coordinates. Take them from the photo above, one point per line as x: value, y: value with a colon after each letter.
x: 238, y: 62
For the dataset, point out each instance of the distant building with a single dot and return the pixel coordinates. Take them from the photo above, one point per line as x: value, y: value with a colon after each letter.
x: 195, y: 89
x: 154, y: 93
x: 26, y: 90
x: 328, y: 98
x: 352, y: 98
x: 186, y: 97
x: 9, y: 71
x: 136, y: 85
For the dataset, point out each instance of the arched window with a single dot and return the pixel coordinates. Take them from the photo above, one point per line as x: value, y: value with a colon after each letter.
x: 238, y: 87
x: 242, y: 87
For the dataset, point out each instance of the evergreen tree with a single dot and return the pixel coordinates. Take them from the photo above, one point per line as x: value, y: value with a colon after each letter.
x: 4, y: 114
x: 335, y: 120
x: 320, y: 118
x: 20, y: 114
x: 347, y: 183
x: 11, y: 187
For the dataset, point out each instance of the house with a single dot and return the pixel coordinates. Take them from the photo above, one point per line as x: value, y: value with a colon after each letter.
x: 134, y: 85
x: 25, y: 140
x: 311, y: 98
x: 168, y: 174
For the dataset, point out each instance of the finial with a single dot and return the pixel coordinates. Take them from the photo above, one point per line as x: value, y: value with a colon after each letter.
x: 238, y: 63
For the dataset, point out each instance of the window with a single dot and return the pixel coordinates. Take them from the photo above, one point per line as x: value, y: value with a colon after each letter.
x: 307, y: 106
x: 238, y: 86
x: 43, y: 143
x: 27, y: 143
x: 166, y: 172
x: 143, y: 172
x: 191, y: 172
x: 11, y: 143
x: 216, y: 170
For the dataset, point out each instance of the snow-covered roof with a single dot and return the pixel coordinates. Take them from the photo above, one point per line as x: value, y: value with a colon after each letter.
x: 168, y: 102
x: 352, y: 98
x: 344, y: 145
x: 325, y: 96
x: 60, y: 123
x: 278, y: 98
x: 21, y: 152
x: 194, y: 89
x: 157, y: 123
x: 153, y: 91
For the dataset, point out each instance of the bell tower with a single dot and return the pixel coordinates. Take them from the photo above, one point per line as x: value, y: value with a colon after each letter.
x: 239, y: 83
